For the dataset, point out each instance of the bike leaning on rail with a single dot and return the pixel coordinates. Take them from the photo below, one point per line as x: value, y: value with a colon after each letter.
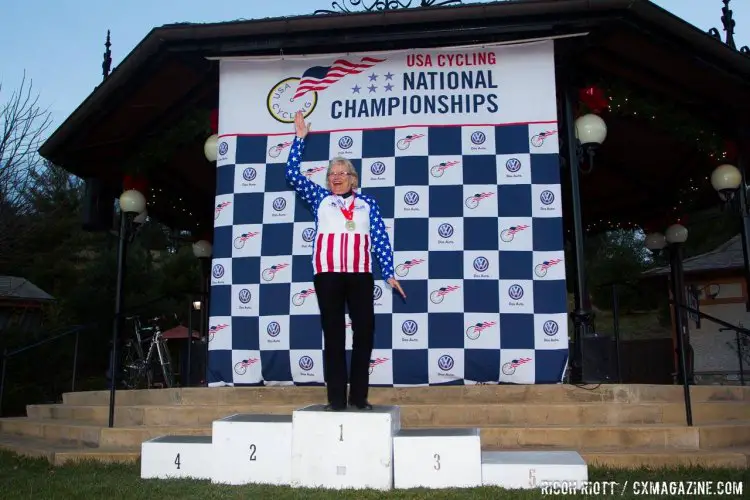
x: 138, y: 367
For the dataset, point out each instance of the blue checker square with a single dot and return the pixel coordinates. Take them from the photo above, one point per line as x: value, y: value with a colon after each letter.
x: 410, y: 367
x: 412, y: 170
x: 444, y: 141
x: 410, y: 234
x: 251, y: 149
x: 548, y: 234
x: 514, y: 200
x: 516, y: 265
x: 317, y: 147
x: 446, y: 265
x: 276, y: 179
x: 305, y: 333
x: 480, y: 233
x: 481, y: 365
x: 225, y: 179
x: 446, y: 330
x: 221, y: 301
x: 222, y: 246
x: 480, y: 169
x: 245, y: 333
x: 248, y: 208
x: 277, y: 239
x: 550, y: 297
x: 378, y: 143
x: 383, y: 332
x: 276, y: 366
x: 384, y: 197
x: 516, y: 331
x: 483, y: 296
x: 545, y: 169
x: 446, y: 201
x: 512, y: 139
x: 274, y: 299
x: 220, y: 366
x: 550, y: 364
x: 416, y: 297
x: 246, y: 270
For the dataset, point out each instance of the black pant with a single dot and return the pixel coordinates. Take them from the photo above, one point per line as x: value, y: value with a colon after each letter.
x: 334, y: 290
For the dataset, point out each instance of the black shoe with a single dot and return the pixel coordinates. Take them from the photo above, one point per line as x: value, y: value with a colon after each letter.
x: 361, y: 406
x: 333, y: 407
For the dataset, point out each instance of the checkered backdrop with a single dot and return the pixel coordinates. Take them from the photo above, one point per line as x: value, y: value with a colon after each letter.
x: 459, y: 148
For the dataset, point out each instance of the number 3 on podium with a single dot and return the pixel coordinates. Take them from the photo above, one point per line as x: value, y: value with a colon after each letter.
x: 437, y: 461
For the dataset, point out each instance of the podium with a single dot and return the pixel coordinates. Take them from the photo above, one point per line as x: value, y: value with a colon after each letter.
x: 176, y: 457
x: 532, y: 469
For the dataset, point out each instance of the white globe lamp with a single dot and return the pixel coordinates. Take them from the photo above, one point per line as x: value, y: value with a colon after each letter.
x: 132, y: 202
x: 591, y: 130
x: 210, y: 147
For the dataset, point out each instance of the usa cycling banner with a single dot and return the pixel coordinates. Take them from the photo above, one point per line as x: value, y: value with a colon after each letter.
x: 459, y: 148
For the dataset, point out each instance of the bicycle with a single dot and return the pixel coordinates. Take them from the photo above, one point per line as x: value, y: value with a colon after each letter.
x: 137, y: 366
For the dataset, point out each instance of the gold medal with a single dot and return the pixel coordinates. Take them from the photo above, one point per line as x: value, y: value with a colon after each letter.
x: 350, y: 226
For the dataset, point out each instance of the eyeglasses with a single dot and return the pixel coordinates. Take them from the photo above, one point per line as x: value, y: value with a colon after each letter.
x: 338, y: 174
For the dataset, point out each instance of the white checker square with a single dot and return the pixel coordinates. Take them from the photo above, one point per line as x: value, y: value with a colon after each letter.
x: 550, y: 331
x: 219, y: 333
x: 446, y: 233
x: 378, y: 172
x: 348, y: 333
x: 246, y: 367
x: 278, y: 207
x: 445, y: 365
x: 411, y: 141
x: 514, y: 169
x: 221, y: 272
x: 226, y: 149
x: 245, y: 300
x: 224, y: 210
x: 412, y: 202
x: 278, y: 147
x: 306, y: 365
x: 480, y: 200
x: 315, y: 171
x: 276, y: 269
x: 544, y: 138
x: 382, y: 297
x: 250, y: 178
x: 409, y: 331
x: 515, y: 233
x: 410, y: 265
x: 482, y: 331
x: 481, y: 265
x: 445, y: 296
x: 517, y: 296
x: 549, y: 266
x: 347, y: 144
x: 304, y: 238
x: 445, y: 170
x: 478, y: 140
x: 246, y: 240
x: 546, y: 200
x: 273, y: 333
x: 304, y: 300
x: 381, y: 367
x: 517, y: 366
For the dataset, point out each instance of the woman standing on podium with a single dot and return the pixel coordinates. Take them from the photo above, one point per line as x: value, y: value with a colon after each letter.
x: 349, y: 230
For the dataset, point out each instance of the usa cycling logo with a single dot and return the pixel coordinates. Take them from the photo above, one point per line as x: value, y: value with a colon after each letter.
x: 507, y: 235
x: 377, y: 168
x: 541, y: 269
x: 241, y: 367
x: 472, y: 201
x: 538, y: 140
x: 445, y: 230
x: 313, y: 170
x: 439, y: 169
x: 308, y: 234
x: 403, y: 269
x: 481, y: 264
x: 409, y: 327
x: 276, y: 150
x: 403, y: 144
x: 515, y: 292
x: 214, y: 329
x: 223, y: 148
x: 474, y: 331
x: 239, y: 241
x: 346, y: 143
x: 550, y: 328
x: 279, y: 204
x: 306, y: 363
x: 218, y: 271
x: 268, y: 274
x: 245, y: 296
x: 299, y: 298
x: 377, y: 293
x: 273, y: 329
x: 220, y: 208
x: 375, y: 362
x: 411, y: 198
x: 513, y: 165
x: 510, y: 367
x: 437, y: 296
x: 249, y: 174
x: 547, y: 197
x: 478, y: 138
x: 445, y: 362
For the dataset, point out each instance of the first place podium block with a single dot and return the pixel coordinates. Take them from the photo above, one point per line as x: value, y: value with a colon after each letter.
x: 252, y: 449
x: 345, y: 449
x: 437, y: 458
x: 532, y: 469
x: 176, y: 457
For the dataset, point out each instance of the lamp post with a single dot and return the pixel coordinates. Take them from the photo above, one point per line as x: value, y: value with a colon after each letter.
x: 584, y: 136
x: 202, y: 250
x: 210, y: 147
x: 674, y: 238
x: 132, y: 204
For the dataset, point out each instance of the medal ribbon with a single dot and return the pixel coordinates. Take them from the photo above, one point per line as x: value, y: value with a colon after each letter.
x: 348, y: 212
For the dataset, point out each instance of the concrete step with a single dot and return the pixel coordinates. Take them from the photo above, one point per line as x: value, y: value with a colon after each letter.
x: 420, y: 414
x: 58, y: 454
x: 477, y: 394
x: 509, y: 436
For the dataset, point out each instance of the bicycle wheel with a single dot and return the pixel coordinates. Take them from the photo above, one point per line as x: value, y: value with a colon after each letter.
x: 166, y: 362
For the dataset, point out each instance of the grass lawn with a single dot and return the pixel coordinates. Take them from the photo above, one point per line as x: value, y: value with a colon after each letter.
x: 36, y: 479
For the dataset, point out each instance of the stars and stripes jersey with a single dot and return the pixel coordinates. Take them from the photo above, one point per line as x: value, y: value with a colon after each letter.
x: 336, y: 249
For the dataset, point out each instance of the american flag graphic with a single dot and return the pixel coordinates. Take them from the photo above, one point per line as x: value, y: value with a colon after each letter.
x: 321, y: 77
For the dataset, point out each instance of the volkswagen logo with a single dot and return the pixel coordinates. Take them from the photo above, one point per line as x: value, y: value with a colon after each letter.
x: 409, y: 327
x: 377, y: 293
x: 273, y: 329
x: 249, y: 174
x: 308, y: 234
x: 223, y: 148
x: 550, y: 328
x: 411, y: 198
x: 515, y: 292
x: 245, y: 295
x: 377, y: 168
x: 218, y: 271
x: 547, y: 197
x: 279, y: 204
x: 445, y: 362
x: 306, y: 363
x: 445, y: 230
x: 346, y: 142
x: 513, y: 165
x: 478, y: 138
x: 481, y: 264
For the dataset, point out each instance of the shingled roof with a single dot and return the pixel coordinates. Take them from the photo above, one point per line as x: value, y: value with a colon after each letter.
x: 726, y: 256
x: 14, y: 288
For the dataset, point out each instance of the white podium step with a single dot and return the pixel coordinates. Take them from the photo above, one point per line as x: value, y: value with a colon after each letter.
x: 347, y: 449
x: 250, y: 448
x: 172, y: 457
x: 532, y: 469
x: 437, y: 458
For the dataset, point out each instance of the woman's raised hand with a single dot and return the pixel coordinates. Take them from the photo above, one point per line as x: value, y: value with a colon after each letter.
x: 301, y: 128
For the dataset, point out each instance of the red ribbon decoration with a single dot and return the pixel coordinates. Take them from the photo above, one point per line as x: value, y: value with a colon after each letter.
x: 593, y: 97
x: 214, y: 120
x: 137, y: 182
x: 349, y: 212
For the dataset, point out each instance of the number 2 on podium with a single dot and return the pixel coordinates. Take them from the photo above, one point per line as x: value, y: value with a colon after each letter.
x: 253, y: 448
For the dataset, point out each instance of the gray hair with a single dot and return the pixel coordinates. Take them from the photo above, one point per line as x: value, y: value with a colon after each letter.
x: 340, y: 160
